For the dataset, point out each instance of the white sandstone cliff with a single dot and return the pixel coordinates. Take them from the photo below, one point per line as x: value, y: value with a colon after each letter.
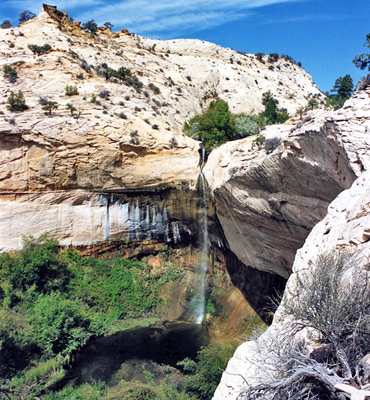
x: 128, y: 140
x: 267, y: 202
x: 346, y: 226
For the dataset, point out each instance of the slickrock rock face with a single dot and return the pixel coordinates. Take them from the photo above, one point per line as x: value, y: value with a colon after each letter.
x: 346, y: 226
x: 132, y: 137
x: 119, y: 136
x: 267, y: 202
x: 85, y: 218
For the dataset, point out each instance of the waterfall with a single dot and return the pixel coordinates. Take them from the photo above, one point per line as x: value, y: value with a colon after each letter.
x: 104, y: 200
x: 203, y: 247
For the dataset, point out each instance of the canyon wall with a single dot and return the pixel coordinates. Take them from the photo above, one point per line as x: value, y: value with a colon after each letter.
x: 112, y: 135
x: 269, y: 200
x: 346, y: 227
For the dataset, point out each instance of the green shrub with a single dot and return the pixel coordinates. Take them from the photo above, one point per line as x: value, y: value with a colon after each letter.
x: 71, y: 90
x: 39, y: 49
x: 86, y: 391
x: 10, y: 73
x: 246, y: 125
x: 271, y: 115
x: 213, y: 127
x: 38, y: 267
x: 16, y: 101
x: 71, y: 108
x: 273, y: 57
x: 259, y: 57
x: 60, y: 325
x: 123, y: 74
x: 259, y: 140
x: 312, y: 103
x: 154, y: 88
x: 203, y: 375
x: 342, y: 90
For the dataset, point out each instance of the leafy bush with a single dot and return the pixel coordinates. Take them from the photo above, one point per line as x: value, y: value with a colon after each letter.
x: 71, y: 108
x: 259, y: 57
x: 10, y: 73
x: 71, y: 90
x: 246, y: 125
x: 213, y: 127
x: 342, y: 90
x: 104, y: 94
x: 86, y: 391
x: 38, y: 267
x: 154, y: 88
x: 273, y: 57
x: 60, y: 325
x: 16, y: 101
x: 205, y: 374
x: 39, y: 49
x: 312, y: 103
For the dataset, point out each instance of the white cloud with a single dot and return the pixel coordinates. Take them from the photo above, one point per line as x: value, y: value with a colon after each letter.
x: 162, y: 17
x: 153, y: 17
x: 36, y: 5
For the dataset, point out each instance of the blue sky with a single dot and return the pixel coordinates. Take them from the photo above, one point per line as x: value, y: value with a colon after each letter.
x: 324, y: 35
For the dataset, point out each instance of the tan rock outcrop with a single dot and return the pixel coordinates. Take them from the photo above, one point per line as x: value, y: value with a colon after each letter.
x: 267, y: 202
x: 129, y: 138
x: 346, y: 226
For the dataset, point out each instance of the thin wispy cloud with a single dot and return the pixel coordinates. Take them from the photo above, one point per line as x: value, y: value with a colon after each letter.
x: 173, y: 17
x: 306, y: 18
x: 160, y: 18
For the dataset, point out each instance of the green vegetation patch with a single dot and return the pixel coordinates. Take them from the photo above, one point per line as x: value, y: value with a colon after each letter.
x: 217, y: 124
x: 52, y: 302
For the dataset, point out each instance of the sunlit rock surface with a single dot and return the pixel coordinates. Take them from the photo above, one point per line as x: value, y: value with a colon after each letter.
x: 267, y: 202
x: 346, y: 226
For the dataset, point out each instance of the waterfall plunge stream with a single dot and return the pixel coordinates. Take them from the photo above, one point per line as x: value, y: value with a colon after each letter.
x: 201, y: 268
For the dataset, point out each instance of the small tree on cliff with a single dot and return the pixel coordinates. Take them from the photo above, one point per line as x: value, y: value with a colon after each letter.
x: 6, y: 24
x: 90, y: 26
x: 342, y: 91
x: 363, y: 61
x: 26, y: 16
x: 50, y: 106
x: 16, y: 101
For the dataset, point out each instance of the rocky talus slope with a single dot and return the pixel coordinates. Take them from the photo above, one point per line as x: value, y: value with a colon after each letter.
x: 345, y: 227
x: 269, y: 200
x: 130, y: 138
